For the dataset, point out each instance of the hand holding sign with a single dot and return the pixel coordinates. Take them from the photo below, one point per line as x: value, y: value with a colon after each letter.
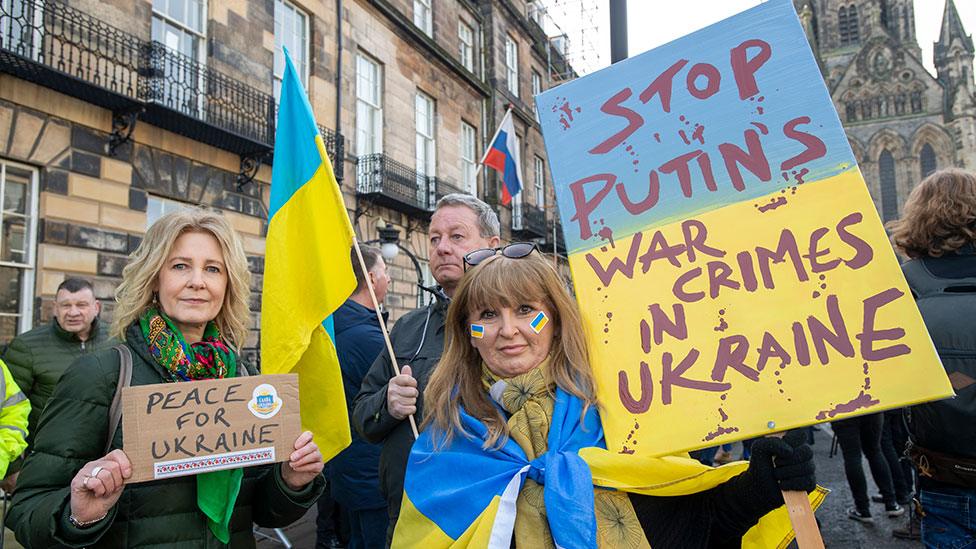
x: 98, y: 485
x: 304, y: 464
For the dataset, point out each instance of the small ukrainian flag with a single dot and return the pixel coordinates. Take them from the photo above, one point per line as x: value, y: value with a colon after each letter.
x: 539, y: 322
x: 477, y: 331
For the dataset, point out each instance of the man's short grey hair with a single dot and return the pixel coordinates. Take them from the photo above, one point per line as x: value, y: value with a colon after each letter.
x: 488, y: 225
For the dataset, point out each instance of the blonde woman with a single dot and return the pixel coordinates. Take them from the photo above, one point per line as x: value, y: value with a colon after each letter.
x: 512, y: 426
x: 183, y: 315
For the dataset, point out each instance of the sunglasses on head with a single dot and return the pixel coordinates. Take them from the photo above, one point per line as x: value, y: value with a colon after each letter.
x: 515, y: 250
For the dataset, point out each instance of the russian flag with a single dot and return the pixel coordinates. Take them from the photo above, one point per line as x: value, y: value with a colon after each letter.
x: 503, y: 157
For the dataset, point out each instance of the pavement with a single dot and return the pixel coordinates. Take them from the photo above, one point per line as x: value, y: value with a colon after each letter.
x: 837, y: 530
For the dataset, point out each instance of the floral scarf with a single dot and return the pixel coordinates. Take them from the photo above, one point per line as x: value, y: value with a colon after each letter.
x: 529, y: 399
x: 210, y: 358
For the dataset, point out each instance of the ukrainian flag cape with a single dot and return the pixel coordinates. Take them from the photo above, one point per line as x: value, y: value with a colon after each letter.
x: 463, y: 496
x: 307, y: 272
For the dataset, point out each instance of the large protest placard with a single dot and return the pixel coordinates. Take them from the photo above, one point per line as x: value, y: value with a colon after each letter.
x: 728, y: 260
x: 178, y: 429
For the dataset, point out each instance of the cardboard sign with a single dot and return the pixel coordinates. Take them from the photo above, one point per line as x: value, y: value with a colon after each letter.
x: 730, y: 266
x: 178, y: 429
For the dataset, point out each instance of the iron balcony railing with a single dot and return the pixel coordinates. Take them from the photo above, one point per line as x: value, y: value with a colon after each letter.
x: 396, y: 185
x: 529, y: 222
x: 63, y: 48
x: 559, y: 244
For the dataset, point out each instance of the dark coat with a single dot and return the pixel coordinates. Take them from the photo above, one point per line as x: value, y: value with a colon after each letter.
x: 354, y: 473
x: 418, y: 340
x: 37, y: 359
x: 72, y: 432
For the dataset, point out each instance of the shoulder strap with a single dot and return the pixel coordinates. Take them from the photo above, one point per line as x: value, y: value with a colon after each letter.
x: 125, y: 379
x: 925, y: 284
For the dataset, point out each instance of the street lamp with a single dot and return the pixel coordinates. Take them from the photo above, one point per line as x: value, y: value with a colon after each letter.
x: 389, y: 241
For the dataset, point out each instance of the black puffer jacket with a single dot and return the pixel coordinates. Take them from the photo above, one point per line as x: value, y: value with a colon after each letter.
x: 163, y: 513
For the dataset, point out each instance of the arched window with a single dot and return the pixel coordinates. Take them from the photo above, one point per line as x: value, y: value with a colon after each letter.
x: 916, y: 101
x: 889, y: 192
x: 927, y: 160
x: 842, y: 27
x: 849, y: 111
x: 852, y: 28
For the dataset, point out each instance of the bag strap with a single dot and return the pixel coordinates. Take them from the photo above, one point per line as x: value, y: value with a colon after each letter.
x: 125, y: 379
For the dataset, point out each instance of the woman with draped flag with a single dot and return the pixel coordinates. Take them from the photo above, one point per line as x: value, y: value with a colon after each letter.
x: 513, y: 453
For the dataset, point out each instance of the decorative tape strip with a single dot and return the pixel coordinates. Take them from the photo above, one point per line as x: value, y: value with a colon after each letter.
x: 213, y: 462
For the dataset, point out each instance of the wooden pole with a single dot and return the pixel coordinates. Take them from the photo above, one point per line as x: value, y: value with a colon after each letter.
x: 803, y: 520
x: 379, y: 316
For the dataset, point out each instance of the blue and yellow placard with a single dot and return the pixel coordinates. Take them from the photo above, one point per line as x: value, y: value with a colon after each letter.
x: 730, y: 266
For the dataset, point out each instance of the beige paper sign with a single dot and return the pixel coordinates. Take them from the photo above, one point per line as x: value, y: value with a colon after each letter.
x: 179, y: 429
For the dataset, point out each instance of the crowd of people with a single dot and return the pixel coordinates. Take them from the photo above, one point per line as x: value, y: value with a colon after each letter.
x: 495, y: 367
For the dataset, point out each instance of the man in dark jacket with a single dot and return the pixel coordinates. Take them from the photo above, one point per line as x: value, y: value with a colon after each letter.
x: 354, y: 473
x: 461, y: 223
x: 38, y: 358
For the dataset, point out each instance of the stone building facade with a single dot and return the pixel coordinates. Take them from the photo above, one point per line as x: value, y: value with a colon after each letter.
x: 114, y: 112
x: 902, y: 122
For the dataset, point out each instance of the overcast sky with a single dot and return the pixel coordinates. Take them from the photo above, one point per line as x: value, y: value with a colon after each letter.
x: 655, y: 22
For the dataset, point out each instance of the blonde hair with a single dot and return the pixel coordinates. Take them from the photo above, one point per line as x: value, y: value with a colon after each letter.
x: 456, y: 381
x: 940, y: 215
x: 135, y: 294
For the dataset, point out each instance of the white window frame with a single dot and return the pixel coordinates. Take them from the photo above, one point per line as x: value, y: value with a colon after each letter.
x: 469, y: 158
x: 511, y: 65
x: 28, y: 265
x: 425, y: 126
x: 540, y: 183
x: 519, y: 197
x: 536, y: 90
x: 157, y: 207
x: 283, y: 9
x: 179, y: 97
x: 423, y: 16
x: 369, y: 106
x: 12, y: 33
x: 467, y: 45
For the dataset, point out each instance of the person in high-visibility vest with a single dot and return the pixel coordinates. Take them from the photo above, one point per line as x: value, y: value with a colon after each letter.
x: 13, y: 420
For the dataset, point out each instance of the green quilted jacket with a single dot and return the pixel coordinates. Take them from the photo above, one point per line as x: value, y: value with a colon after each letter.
x: 162, y: 513
x: 37, y: 359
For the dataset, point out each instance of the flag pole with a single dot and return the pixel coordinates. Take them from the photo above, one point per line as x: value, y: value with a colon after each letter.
x: 372, y: 294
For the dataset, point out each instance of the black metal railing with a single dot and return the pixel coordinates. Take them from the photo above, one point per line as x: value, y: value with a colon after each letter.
x: 530, y: 222
x: 57, y: 46
x: 560, y: 239
x: 394, y: 185
x: 444, y: 187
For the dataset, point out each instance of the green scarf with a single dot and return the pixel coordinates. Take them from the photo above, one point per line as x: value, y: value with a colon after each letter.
x: 210, y: 358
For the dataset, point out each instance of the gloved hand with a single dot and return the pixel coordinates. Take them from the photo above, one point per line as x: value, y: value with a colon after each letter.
x: 779, y: 464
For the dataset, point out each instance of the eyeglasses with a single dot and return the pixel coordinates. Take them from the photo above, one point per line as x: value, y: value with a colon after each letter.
x: 515, y: 250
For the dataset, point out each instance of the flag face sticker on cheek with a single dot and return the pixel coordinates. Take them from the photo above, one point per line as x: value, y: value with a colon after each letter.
x: 539, y: 322
x: 477, y: 331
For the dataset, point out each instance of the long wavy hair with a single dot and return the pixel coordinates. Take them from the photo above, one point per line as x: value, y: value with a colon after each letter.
x: 139, y: 278
x: 456, y: 381
x: 939, y: 217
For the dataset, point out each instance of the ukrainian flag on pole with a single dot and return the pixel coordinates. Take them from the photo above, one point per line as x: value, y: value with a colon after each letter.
x: 307, y: 272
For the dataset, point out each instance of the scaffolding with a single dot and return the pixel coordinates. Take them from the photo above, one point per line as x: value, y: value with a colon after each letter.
x: 574, y: 30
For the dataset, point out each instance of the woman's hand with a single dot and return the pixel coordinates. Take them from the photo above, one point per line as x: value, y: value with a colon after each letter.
x: 304, y: 464
x: 98, y: 485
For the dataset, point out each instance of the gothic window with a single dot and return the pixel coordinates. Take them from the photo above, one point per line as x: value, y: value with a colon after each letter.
x: 850, y: 112
x: 889, y: 192
x: 885, y: 21
x: 927, y: 160
x: 916, y: 101
x: 900, y: 101
x: 879, y: 107
x: 845, y: 38
x: 852, y: 25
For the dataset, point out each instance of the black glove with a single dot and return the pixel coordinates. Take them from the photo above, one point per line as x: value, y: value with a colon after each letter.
x: 780, y: 464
